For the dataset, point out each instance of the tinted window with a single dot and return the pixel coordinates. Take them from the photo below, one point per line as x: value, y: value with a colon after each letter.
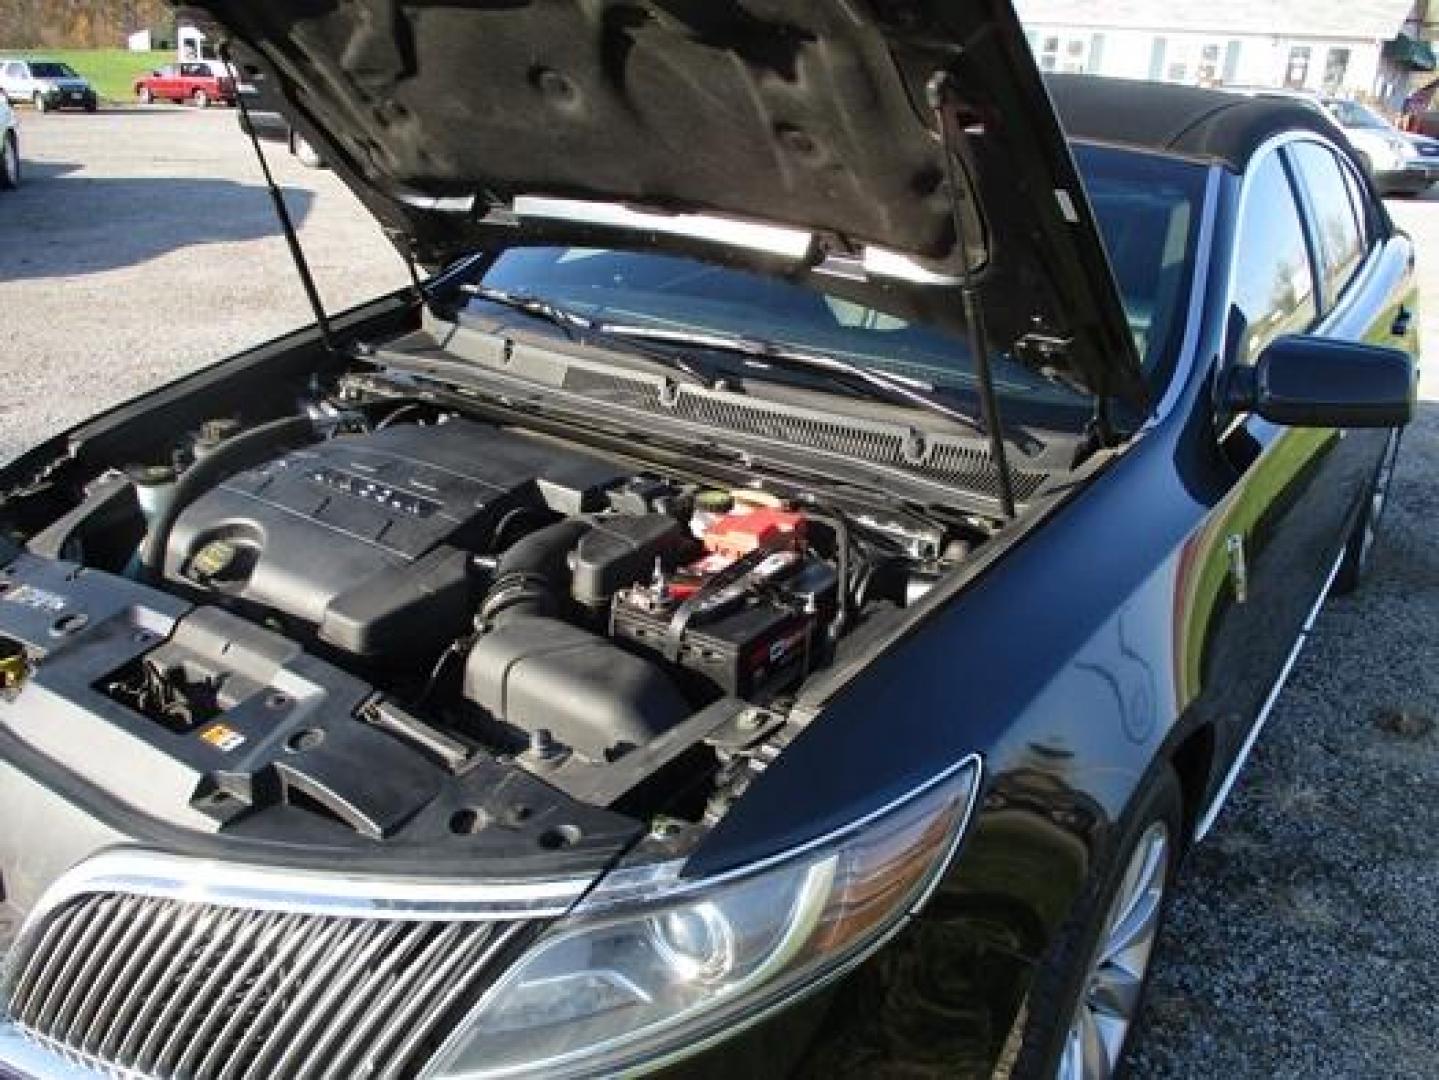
x: 1353, y: 115
x: 1273, y: 284
x: 52, y: 71
x: 1340, y: 241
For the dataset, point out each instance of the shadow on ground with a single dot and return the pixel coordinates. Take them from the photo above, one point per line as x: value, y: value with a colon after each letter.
x: 63, y: 223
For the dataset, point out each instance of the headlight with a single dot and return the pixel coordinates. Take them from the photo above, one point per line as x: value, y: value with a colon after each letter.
x: 652, y: 965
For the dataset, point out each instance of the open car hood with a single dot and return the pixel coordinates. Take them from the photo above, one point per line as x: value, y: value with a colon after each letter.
x: 449, y: 116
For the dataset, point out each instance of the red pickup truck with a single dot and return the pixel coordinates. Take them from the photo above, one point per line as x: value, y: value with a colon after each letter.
x: 199, y: 82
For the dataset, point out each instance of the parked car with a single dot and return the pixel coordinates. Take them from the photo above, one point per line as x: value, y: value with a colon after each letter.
x: 1426, y: 151
x: 46, y: 84
x: 1398, y: 167
x: 198, y: 82
x: 782, y: 596
x: 9, y: 148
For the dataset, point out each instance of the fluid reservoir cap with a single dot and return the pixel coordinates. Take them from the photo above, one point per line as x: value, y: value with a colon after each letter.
x: 212, y: 560
x: 714, y: 502
x: 213, y: 432
x: 14, y: 664
x: 150, y: 475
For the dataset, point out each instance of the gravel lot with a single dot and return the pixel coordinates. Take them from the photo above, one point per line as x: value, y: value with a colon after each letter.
x: 1304, y: 938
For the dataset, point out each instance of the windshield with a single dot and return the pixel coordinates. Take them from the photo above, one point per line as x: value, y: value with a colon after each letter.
x: 1147, y: 207
x: 52, y: 71
x: 1351, y: 114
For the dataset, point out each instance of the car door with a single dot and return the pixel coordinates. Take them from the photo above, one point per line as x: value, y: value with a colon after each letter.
x: 1304, y: 261
x: 192, y: 77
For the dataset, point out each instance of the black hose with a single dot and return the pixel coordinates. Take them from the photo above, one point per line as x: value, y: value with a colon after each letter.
x: 843, y: 603
x: 234, y: 454
x: 534, y: 573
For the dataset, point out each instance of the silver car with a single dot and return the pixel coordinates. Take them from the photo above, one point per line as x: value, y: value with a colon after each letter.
x: 46, y: 84
x: 9, y: 148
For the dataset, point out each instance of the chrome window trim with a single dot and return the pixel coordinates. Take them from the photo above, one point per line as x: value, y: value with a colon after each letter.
x: 1273, y: 145
x: 209, y: 881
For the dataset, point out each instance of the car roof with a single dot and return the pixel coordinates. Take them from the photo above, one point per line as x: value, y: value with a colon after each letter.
x: 1219, y: 126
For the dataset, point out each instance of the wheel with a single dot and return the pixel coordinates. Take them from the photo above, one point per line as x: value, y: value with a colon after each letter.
x: 145, y: 95
x: 9, y: 162
x: 39, y: 102
x: 91, y: 105
x: 201, y: 99
x: 1089, y: 990
x: 1358, y: 555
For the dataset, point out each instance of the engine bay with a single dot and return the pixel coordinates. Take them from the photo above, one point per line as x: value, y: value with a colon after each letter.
x: 386, y: 619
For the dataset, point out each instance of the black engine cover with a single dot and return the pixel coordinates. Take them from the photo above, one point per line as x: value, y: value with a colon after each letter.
x: 367, y: 538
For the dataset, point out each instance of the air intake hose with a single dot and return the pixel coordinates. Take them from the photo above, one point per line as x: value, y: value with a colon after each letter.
x: 533, y: 575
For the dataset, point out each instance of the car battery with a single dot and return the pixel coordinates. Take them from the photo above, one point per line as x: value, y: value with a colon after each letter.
x: 752, y: 650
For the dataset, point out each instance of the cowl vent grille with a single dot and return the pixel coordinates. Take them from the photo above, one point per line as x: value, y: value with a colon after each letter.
x: 942, y: 458
x: 169, y: 988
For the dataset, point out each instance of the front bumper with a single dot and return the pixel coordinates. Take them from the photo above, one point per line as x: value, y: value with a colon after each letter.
x: 70, y: 99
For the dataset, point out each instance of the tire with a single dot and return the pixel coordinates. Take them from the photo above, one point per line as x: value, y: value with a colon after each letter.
x: 9, y: 162
x: 1136, y: 879
x: 1358, y: 557
x: 201, y: 99
x: 91, y: 105
x: 39, y: 102
x: 146, y: 96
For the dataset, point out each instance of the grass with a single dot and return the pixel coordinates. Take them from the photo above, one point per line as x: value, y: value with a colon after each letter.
x: 112, y: 72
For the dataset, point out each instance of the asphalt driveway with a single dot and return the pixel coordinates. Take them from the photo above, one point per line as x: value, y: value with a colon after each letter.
x: 1305, y: 938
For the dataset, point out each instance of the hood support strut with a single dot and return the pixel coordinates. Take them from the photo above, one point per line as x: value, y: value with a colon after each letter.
x: 941, y: 97
x: 287, y: 224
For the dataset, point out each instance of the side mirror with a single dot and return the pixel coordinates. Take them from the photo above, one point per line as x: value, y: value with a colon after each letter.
x: 1305, y: 381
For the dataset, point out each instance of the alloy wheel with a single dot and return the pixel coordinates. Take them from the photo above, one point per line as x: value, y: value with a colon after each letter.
x: 1109, y: 999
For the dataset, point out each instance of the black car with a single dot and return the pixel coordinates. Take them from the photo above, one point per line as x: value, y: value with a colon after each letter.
x: 779, y: 595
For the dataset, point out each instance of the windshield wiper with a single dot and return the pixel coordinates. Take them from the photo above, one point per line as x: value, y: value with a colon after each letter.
x: 895, y: 388
x: 537, y: 306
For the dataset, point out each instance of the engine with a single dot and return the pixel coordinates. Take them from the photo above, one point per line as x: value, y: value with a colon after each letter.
x: 583, y: 609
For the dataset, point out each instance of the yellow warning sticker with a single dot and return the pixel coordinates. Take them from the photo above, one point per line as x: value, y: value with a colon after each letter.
x: 223, y: 737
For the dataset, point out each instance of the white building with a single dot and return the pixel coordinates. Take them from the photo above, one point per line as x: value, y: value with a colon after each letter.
x: 1353, y: 48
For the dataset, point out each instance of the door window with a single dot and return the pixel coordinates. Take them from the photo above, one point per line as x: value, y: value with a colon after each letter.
x: 1273, y: 287
x: 1338, y: 234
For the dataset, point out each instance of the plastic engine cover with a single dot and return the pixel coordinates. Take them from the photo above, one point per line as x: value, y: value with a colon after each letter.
x: 367, y: 537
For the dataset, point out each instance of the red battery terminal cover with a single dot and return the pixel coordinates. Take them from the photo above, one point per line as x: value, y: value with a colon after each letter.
x: 736, y: 535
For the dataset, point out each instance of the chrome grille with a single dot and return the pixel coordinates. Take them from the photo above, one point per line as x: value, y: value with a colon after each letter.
x: 169, y: 988
x: 944, y: 458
